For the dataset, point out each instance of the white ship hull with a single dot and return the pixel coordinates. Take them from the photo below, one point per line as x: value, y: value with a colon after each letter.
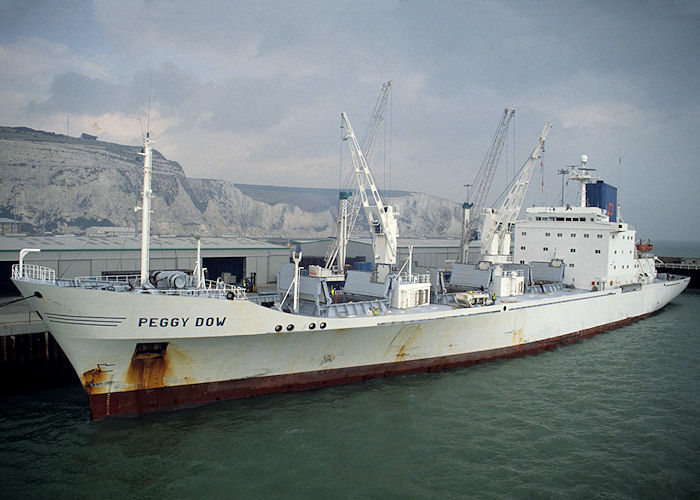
x: 136, y: 352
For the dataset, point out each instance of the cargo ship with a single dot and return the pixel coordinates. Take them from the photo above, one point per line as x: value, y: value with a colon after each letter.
x: 170, y: 339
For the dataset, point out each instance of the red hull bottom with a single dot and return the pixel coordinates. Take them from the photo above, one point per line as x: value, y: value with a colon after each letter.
x: 142, y: 401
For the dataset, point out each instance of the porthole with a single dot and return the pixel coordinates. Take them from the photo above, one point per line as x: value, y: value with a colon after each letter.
x: 312, y: 326
x: 322, y: 325
x: 290, y: 328
x: 278, y: 328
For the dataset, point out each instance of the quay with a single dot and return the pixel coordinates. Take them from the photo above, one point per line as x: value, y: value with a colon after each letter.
x: 685, y: 266
x: 29, y: 356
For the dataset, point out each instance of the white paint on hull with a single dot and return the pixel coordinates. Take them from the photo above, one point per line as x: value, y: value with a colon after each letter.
x: 100, y: 330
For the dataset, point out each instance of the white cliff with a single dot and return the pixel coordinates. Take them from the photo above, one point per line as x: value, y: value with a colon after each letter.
x: 55, y: 183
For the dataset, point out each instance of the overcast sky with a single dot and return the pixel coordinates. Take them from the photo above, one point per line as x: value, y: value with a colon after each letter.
x: 252, y: 91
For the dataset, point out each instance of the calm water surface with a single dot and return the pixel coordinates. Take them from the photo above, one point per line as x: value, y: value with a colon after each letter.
x: 614, y: 416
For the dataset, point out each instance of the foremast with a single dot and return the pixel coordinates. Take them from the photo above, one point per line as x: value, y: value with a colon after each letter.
x: 146, y: 208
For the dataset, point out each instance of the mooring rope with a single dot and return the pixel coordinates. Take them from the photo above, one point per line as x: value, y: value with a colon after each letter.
x: 17, y: 300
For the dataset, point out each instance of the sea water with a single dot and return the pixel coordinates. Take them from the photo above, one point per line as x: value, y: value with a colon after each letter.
x: 613, y: 416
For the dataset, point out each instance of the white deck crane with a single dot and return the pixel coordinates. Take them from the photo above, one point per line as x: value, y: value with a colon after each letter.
x: 350, y: 205
x: 495, y: 238
x: 382, y: 219
x: 483, y: 181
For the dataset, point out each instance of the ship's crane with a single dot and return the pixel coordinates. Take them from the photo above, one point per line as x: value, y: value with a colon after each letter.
x: 382, y: 220
x: 349, y: 204
x: 484, y: 179
x: 495, y: 243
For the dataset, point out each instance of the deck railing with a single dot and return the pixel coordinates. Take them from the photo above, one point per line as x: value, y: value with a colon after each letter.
x: 33, y: 272
x: 414, y: 278
x: 130, y: 282
x: 112, y: 278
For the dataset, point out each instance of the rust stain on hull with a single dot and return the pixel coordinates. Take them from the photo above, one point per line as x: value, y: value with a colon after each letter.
x: 517, y: 337
x: 148, y: 365
x: 93, y: 379
x: 403, y: 338
x: 140, y: 401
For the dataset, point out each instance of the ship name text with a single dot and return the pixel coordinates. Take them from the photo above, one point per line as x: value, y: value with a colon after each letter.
x: 158, y: 322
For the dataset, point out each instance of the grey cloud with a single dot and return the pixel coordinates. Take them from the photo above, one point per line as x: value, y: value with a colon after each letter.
x: 169, y: 88
x: 76, y: 93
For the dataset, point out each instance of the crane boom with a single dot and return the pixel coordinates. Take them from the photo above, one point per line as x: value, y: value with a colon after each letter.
x: 382, y: 220
x: 484, y: 179
x: 496, y: 226
x: 350, y: 205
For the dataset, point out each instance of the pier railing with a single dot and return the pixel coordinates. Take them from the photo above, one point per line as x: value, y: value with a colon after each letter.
x: 680, y: 265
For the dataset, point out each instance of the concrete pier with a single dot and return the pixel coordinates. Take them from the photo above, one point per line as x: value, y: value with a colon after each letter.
x: 29, y: 355
x: 684, y: 266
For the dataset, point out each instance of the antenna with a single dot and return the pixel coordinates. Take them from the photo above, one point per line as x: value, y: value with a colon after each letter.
x: 148, y: 121
x: 619, y: 171
x: 138, y: 115
x: 563, y: 172
x: 619, y: 184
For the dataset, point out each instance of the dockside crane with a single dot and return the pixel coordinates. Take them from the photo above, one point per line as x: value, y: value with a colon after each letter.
x: 495, y: 240
x: 349, y: 202
x: 381, y: 217
x: 483, y: 181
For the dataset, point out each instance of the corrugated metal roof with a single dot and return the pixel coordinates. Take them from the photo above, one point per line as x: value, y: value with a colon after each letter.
x: 101, y: 243
x: 429, y: 242
x: 402, y: 242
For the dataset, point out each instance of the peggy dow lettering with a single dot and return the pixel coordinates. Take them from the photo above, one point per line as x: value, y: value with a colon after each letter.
x: 175, y: 322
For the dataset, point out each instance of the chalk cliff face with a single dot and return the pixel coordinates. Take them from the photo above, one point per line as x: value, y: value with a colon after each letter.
x: 61, y: 184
